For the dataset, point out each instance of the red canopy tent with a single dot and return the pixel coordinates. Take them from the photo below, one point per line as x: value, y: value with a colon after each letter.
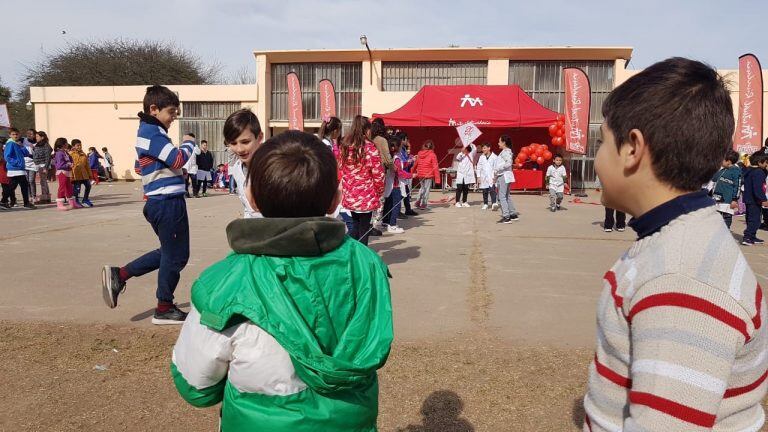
x: 435, y: 111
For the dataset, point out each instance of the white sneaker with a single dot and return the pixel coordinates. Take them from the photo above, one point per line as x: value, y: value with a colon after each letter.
x: 484, y: 207
x: 465, y: 205
x: 458, y: 205
x: 495, y: 206
x: 608, y: 230
x: 395, y: 230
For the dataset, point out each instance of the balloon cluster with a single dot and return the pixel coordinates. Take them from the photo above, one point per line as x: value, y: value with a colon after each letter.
x: 538, y: 153
x: 557, y: 131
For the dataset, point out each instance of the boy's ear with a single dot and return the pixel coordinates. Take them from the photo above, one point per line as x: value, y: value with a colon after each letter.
x: 335, y: 202
x: 153, y: 109
x: 634, y: 150
x: 260, y: 138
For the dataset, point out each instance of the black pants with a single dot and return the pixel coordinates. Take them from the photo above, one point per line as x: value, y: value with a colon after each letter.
x: 195, y: 184
x: 7, y: 194
x: 462, y: 190
x: 489, y: 191
x: 727, y: 218
x: 24, y: 183
x: 204, y: 185
x: 361, y: 224
x: 753, y: 221
x: 407, y: 200
x: 78, y: 184
x: 619, y: 223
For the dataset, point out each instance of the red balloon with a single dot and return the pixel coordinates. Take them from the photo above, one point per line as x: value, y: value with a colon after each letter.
x: 545, y: 147
x: 540, y: 160
x: 547, y: 155
x: 559, y: 141
x: 560, y: 124
x: 539, y: 152
x: 533, y: 156
x: 518, y: 165
x: 560, y: 118
x: 559, y: 132
x: 552, y: 129
x: 554, y: 140
x: 523, y: 153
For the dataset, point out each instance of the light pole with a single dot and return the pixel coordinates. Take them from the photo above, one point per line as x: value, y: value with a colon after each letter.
x: 364, y: 41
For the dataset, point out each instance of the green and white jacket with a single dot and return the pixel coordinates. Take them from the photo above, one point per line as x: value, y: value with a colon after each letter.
x: 289, y: 330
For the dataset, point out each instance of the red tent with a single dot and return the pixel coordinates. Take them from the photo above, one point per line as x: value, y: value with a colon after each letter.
x: 496, y: 106
x: 435, y: 111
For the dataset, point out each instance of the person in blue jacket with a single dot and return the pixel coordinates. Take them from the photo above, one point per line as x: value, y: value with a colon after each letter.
x: 754, y: 196
x: 14, y: 155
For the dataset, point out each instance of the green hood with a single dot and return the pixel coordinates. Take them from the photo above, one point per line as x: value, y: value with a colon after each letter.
x: 323, y: 296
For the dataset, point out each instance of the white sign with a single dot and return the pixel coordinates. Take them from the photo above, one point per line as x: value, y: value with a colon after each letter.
x: 5, y: 120
x: 467, y: 99
x: 468, y: 133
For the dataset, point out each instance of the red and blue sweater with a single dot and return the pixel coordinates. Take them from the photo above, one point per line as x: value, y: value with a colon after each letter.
x: 159, y: 162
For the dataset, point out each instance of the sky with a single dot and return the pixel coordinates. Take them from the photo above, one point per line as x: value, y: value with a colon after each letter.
x: 228, y: 31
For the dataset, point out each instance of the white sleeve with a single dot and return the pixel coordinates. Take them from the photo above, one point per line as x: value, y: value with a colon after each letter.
x: 202, y: 355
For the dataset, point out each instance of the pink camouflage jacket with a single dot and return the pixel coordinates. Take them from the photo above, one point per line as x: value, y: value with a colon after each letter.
x: 362, y: 182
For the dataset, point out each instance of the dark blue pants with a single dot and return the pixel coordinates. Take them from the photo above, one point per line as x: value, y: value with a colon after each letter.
x: 392, y: 204
x: 168, y: 218
x: 753, y: 221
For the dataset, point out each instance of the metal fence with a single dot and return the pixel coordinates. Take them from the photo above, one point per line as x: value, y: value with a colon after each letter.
x: 412, y: 76
x: 543, y: 81
x: 346, y: 79
x: 206, y: 121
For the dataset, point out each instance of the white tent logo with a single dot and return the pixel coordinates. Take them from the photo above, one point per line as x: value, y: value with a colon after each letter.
x: 472, y: 101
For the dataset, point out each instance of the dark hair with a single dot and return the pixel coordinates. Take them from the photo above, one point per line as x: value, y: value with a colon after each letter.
x: 402, y: 135
x: 328, y: 127
x: 238, y: 122
x: 428, y: 144
x: 557, y: 155
x: 395, y: 143
x: 76, y: 141
x: 684, y: 111
x: 352, y: 145
x: 160, y: 96
x: 60, y: 143
x: 203, y: 141
x: 91, y: 148
x: 506, y: 140
x: 732, y: 156
x: 378, y: 129
x: 486, y: 144
x: 757, y: 158
x: 191, y: 134
x: 104, y: 149
x: 43, y: 135
x: 13, y: 129
x: 293, y: 175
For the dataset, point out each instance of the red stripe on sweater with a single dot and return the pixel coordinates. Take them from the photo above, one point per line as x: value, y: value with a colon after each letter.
x: 145, y: 160
x: 612, y: 376
x: 733, y: 392
x: 694, y: 303
x: 674, y: 409
x: 757, y: 321
x: 610, y: 277
x: 179, y: 162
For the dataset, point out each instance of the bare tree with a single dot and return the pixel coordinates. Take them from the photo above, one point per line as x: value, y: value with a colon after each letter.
x: 243, y: 75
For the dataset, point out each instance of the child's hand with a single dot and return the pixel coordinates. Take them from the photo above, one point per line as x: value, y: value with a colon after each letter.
x: 735, y: 205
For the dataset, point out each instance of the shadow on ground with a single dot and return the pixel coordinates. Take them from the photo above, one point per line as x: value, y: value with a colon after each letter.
x: 441, y: 412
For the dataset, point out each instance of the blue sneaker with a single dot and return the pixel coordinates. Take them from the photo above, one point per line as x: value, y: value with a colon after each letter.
x: 87, y: 203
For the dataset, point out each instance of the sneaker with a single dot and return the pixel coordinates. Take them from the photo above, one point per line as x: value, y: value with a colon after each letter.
x: 747, y: 242
x: 764, y: 226
x: 395, y: 229
x: 411, y: 213
x: 553, y: 209
x: 758, y: 241
x: 61, y: 206
x: 76, y: 204
x: 622, y: 229
x: 513, y: 218
x: 30, y: 206
x: 5, y: 205
x: 111, y: 285
x: 196, y: 196
x: 458, y: 205
x: 502, y: 220
x: 465, y: 204
x: 484, y: 207
x: 87, y: 203
x: 418, y: 203
x: 608, y: 230
x: 375, y: 232
x: 495, y: 207
x: 172, y: 316
x: 205, y: 194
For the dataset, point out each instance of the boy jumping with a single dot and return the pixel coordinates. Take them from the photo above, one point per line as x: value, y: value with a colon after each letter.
x: 681, y: 332
x: 159, y: 162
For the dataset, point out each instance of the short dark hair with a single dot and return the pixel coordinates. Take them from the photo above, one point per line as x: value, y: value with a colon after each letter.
x: 13, y: 129
x: 732, y: 156
x: 757, y: 158
x: 191, y: 134
x: 238, y: 122
x: 293, y: 175
x: 76, y: 141
x: 506, y: 140
x: 204, y: 141
x: 31, y: 130
x: 159, y: 96
x: 684, y: 111
x: 486, y: 144
x: 557, y: 155
x: 104, y: 149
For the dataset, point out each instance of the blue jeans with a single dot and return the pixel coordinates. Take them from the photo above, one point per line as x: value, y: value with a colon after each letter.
x: 168, y: 218
x: 392, y: 205
x: 753, y: 221
x: 347, y: 221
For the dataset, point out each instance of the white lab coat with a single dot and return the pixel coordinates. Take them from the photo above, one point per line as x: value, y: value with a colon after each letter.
x: 557, y: 177
x: 465, y: 170
x: 504, y: 166
x: 237, y: 172
x: 191, y: 165
x: 485, y: 170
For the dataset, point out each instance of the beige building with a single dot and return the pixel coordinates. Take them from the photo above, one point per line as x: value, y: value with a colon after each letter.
x: 366, y: 82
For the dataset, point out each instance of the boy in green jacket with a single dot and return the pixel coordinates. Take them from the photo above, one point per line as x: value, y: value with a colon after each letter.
x: 289, y: 329
x: 727, y: 186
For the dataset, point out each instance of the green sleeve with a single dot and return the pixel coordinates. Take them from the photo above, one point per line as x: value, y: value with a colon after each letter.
x: 200, y: 398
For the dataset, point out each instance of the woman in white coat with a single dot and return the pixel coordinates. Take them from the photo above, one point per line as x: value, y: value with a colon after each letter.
x: 505, y: 177
x: 486, y: 175
x: 465, y: 174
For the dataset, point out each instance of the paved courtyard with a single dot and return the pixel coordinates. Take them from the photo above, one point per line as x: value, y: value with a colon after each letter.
x: 494, y: 324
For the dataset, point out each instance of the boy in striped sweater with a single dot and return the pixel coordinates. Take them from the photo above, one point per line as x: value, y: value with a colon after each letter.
x: 159, y: 162
x: 681, y: 340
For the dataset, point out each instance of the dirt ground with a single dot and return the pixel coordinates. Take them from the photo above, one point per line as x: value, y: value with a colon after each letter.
x: 494, y: 324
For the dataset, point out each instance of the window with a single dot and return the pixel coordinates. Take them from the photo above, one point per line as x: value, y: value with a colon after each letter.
x: 346, y: 79
x: 543, y: 81
x: 206, y: 121
x: 411, y: 76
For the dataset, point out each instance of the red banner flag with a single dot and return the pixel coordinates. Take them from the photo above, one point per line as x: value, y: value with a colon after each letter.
x: 295, y: 110
x: 748, y: 136
x: 577, y: 100
x: 327, y: 100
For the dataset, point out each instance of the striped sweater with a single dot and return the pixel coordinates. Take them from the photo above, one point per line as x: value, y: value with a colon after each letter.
x: 158, y: 161
x: 681, y: 340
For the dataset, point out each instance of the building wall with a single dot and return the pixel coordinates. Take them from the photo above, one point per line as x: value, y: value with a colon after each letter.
x: 107, y: 116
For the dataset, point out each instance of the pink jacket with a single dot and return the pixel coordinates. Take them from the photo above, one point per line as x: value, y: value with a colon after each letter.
x: 362, y: 182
